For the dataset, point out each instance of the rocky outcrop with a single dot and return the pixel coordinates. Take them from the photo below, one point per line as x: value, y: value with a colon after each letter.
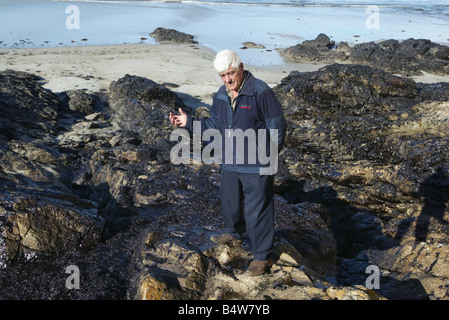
x: 183, y: 263
x: 252, y: 45
x: 140, y: 105
x: 78, y: 100
x: 26, y: 109
x: 39, y: 212
x: 370, y: 146
x: 361, y: 182
x: 43, y: 224
x: 409, y: 57
x: 172, y: 35
x: 174, y: 269
x: 319, y: 49
x: 176, y: 259
x: 100, y: 180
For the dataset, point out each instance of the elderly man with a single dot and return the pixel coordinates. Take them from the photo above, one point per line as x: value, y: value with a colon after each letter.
x: 244, y: 103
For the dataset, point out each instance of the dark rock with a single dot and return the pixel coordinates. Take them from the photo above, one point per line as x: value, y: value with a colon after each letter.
x: 171, y: 35
x: 362, y: 181
x: 350, y: 90
x: 182, y: 263
x: 409, y: 57
x: 41, y: 213
x: 433, y: 91
x: 52, y: 224
x: 22, y: 75
x: 360, y: 114
x: 252, y: 45
x: 141, y: 89
x: 140, y: 105
x: 26, y: 108
x: 366, y: 144
x: 80, y: 101
x: 319, y: 49
x: 320, y: 41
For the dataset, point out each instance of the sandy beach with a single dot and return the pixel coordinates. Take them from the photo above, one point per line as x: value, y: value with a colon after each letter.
x: 185, y: 69
x: 106, y: 45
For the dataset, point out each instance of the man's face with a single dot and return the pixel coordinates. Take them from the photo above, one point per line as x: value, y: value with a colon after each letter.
x: 233, y: 78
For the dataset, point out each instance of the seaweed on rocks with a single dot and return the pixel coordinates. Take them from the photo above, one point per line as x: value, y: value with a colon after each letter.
x: 410, y: 57
x: 362, y: 181
x: 365, y: 144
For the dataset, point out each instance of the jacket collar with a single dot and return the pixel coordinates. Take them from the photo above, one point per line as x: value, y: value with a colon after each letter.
x: 248, y: 85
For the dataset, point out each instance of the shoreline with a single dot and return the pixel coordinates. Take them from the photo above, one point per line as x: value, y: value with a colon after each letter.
x: 104, y: 23
x: 186, y: 69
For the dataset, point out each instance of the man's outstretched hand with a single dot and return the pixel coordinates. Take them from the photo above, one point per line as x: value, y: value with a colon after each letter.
x: 178, y: 120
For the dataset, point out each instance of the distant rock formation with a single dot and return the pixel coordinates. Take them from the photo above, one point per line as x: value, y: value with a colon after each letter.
x: 252, y: 45
x: 172, y: 35
x: 409, y: 57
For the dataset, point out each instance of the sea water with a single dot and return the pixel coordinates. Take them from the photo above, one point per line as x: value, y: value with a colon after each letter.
x: 220, y: 24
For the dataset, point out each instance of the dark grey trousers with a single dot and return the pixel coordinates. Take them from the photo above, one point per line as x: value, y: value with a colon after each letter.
x: 247, y: 201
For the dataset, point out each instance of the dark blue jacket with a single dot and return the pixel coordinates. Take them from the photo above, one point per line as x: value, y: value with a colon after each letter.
x: 257, y: 107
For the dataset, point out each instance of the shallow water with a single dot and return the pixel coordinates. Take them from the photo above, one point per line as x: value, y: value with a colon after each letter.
x: 218, y: 24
